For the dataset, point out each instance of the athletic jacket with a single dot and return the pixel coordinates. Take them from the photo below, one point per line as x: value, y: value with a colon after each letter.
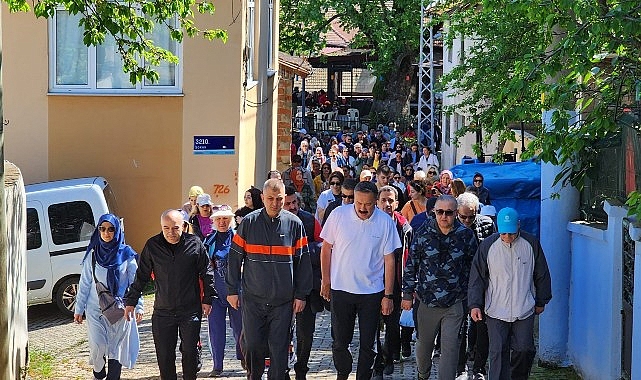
x: 274, y: 256
x: 177, y: 268
x: 438, y: 266
x: 509, y: 279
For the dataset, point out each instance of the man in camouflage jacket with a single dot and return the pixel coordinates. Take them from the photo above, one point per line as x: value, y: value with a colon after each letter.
x: 437, y: 273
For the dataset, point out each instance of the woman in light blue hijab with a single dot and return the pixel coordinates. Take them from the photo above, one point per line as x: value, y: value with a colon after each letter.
x: 110, y: 345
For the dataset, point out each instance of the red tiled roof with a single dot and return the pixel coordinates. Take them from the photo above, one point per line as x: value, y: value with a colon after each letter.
x: 298, y: 65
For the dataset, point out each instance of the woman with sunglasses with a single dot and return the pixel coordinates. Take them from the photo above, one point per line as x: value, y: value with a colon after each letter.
x: 321, y: 181
x: 432, y: 172
x: 114, y: 263
x: 408, y: 173
x: 477, y: 188
x: 332, y: 194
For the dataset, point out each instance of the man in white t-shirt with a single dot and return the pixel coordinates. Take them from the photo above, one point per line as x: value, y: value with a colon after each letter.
x: 357, y: 268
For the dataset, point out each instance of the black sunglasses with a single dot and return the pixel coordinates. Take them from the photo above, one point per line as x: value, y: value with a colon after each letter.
x: 446, y: 212
x: 108, y: 229
x: 347, y: 196
x: 335, y: 183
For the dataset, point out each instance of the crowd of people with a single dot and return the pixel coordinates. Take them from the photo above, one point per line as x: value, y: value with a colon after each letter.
x: 363, y: 228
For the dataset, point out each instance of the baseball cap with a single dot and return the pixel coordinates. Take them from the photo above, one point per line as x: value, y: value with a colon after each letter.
x: 507, y: 221
x: 204, y: 199
x: 303, y: 131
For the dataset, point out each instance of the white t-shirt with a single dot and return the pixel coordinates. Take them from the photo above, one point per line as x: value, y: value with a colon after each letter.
x: 324, y: 199
x: 357, y: 263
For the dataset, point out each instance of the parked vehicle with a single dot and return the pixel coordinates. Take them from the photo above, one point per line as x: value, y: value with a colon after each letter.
x: 61, y: 216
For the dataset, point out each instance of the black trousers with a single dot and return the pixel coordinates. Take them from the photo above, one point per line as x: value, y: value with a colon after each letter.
x: 165, y: 329
x: 478, y: 342
x: 305, y: 327
x: 266, y: 334
x: 391, y: 348
x: 512, y: 348
x: 345, y: 308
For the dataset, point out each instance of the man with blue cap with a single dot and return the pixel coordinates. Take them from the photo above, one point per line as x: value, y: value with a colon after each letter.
x: 509, y: 285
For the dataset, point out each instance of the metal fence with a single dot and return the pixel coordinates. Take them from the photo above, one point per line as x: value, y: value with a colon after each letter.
x: 618, y: 169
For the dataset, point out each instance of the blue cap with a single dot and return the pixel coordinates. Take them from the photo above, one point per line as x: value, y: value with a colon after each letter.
x: 507, y: 221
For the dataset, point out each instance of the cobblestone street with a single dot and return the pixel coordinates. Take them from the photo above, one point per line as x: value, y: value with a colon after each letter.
x: 54, y: 333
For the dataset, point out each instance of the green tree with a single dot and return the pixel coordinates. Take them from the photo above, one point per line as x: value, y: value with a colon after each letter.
x: 534, y: 55
x: 389, y: 28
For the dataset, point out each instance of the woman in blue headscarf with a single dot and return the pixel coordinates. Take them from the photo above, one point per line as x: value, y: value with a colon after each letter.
x: 110, y: 345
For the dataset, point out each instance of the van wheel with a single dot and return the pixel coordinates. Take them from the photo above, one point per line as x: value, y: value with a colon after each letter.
x: 66, y: 296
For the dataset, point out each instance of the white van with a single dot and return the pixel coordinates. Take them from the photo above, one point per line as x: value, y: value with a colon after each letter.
x: 61, y: 216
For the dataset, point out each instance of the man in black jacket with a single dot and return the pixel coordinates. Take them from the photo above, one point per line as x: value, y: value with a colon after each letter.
x: 178, y: 260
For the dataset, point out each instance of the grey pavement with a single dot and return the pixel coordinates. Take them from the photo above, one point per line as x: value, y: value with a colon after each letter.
x: 52, y: 332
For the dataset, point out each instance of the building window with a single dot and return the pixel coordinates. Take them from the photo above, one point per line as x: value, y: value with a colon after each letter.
x: 251, y: 21
x: 270, y: 52
x: 76, y: 68
x: 462, y: 51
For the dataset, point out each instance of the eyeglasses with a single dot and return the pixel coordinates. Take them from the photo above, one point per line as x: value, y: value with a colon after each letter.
x: 397, y: 177
x: 107, y: 229
x: 431, y: 172
x: 446, y: 212
x: 478, y: 180
x: 510, y: 234
x: 347, y: 196
x: 335, y: 183
x: 466, y: 217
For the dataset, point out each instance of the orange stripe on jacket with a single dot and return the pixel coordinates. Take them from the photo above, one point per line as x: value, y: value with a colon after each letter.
x: 300, y: 243
x: 239, y: 240
x: 269, y: 249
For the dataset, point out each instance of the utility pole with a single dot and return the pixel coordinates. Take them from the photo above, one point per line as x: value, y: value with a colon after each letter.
x: 426, y: 103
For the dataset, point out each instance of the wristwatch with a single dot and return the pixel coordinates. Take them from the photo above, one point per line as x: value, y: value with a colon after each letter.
x: 389, y: 296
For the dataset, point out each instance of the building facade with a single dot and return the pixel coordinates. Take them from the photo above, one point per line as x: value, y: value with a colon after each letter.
x: 209, y: 121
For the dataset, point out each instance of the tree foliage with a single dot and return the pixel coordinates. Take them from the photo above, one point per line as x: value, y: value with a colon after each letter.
x: 534, y: 55
x: 131, y: 22
x: 389, y: 28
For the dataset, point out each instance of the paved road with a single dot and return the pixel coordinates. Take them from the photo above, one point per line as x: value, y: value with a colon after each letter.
x: 52, y: 332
